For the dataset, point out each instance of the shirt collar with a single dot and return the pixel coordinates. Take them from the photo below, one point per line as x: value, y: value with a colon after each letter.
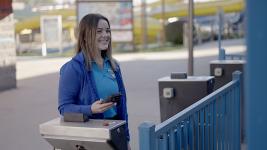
x: 106, y: 59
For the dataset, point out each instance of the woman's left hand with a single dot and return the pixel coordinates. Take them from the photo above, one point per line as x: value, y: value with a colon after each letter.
x: 99, y: 107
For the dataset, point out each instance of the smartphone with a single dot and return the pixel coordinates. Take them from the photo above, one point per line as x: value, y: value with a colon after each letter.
x: 115, y: 98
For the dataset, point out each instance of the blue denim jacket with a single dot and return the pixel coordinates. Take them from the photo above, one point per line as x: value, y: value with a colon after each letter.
x: 77, y: 90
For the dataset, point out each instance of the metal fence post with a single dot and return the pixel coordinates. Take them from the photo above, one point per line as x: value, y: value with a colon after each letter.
x: 237, y: 75
x: 147, y: 136
x: 222, y: 54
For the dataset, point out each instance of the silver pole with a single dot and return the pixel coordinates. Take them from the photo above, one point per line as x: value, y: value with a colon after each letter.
x: 163, y: 22
x: 190, y: 38
x: 220, y: 33
x: 144, y: 24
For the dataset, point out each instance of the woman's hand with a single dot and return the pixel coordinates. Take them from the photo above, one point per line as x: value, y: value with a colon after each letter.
x: 98, y: 107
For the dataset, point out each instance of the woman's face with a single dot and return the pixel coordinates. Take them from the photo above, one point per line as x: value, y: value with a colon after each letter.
x: 103, y: 35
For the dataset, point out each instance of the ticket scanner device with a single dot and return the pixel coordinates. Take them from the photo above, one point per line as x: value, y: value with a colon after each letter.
x: 90, y: 135
x: 179, y: 91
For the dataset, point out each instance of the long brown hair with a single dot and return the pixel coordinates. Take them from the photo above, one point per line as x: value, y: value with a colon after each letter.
x: 86, y: 41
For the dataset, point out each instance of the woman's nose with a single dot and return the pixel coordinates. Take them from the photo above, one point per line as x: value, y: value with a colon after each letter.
x: 104, y: 33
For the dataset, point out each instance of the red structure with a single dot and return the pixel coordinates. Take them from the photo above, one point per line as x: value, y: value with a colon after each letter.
x: 5, y: 8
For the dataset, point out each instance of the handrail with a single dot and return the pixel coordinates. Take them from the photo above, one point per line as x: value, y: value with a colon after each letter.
x: 211, y: 123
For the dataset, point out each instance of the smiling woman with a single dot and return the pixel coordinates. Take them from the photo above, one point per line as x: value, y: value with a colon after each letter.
x: 93, y: 75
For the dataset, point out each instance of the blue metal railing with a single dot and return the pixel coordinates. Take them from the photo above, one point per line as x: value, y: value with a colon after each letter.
x: 211, y: 123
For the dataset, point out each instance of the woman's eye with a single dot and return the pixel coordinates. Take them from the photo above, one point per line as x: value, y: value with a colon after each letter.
x: 98, y: 31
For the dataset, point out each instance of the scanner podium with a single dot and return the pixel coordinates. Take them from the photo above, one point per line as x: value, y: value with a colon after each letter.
x: 176, y: 94
x: 91, y: 135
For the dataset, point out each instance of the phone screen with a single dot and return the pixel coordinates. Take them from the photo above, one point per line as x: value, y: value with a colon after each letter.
x: 115, y: 98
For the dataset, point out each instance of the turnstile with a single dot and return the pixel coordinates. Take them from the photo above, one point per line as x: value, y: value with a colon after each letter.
x: 177, y: 94
x: 222, y: 71
x: 91, y: 135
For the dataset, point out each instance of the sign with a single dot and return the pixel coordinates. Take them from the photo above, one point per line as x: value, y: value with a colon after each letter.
x: 7, y: 41
x: 7, y: 53
x: 51, y: 31
x: 119, y: 13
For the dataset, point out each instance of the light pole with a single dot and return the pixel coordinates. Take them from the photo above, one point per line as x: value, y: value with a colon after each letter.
x: 144, y: 24
x: 190, y: 38
x: 163, y: 22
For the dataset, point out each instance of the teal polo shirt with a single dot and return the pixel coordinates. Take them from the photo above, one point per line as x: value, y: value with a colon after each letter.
x: 106, y: 84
